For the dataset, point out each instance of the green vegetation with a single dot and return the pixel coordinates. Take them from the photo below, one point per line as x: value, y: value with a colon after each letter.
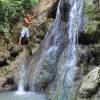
x: 11, y: 12
x: 92, y: 14
x: 91, y: 27
x: 5, y: 71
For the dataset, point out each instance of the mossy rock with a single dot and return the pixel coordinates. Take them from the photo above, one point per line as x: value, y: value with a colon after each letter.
x: 40, y: 35
x: 6, y: 70
x: 46, y: 65
x: 42, y: 81
x: 84, y: 68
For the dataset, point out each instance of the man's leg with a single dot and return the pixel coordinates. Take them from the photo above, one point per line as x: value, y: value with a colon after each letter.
x: 22, y: 35
x: 20, y: 40
x: 28, y: 36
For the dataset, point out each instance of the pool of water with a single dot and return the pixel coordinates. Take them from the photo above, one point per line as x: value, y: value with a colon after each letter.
x: 21, y: 96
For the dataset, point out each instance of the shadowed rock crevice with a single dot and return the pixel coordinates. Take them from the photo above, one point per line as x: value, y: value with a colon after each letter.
x: 8, y: 84
x: 92, y: 38
x: 52, y: 11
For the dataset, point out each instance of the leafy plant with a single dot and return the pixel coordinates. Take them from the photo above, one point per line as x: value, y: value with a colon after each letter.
x: 11, y: 12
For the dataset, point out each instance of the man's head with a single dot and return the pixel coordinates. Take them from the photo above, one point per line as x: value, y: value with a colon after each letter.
x: 29, y: 16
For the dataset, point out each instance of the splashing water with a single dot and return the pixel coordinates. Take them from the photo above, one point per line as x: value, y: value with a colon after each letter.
x: 21, y: 81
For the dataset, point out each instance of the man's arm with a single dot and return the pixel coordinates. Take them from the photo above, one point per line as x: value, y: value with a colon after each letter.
x: 27, y: 21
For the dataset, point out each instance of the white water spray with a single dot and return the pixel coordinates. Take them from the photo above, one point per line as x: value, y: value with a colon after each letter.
x: 21, y: 80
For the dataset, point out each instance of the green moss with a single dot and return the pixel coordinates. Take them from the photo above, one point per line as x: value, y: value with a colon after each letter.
x: 84, y: 68
x: 46, y: 66
x: 43, y: 77
x: 93, y: 17
x: 90, y: 27
x: 45, y: 74
x: 5, y: 71
x: 89, y: 11
x: 32, y: 45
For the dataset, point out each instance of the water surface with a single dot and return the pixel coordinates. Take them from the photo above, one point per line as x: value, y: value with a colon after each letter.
x: 23, y: 96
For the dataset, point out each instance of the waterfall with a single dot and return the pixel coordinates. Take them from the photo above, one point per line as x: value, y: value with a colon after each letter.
x: 52, y: 46
x: 21, y: 82
x: 68, y: 59
x: 59, y: 49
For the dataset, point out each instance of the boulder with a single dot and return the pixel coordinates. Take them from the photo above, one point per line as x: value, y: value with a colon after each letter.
x: 90, y: 83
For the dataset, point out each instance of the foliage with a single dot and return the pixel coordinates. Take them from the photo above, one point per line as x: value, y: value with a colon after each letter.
x: 34, y: 1
x: 27, y: 4
x: 11, y: 12
x: 5, y: 71
x: 90, y: 27
x: 89, y: 11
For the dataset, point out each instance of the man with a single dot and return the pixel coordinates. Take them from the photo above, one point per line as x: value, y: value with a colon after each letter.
x: 25, y: 31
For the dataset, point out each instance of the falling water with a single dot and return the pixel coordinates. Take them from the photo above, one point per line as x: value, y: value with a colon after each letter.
x: 21, y: 80
x: 59, y: 48
x: 68, y: 59
x: 51, y: 47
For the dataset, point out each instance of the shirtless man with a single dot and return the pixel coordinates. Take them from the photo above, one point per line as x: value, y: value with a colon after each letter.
x: 25, y: 30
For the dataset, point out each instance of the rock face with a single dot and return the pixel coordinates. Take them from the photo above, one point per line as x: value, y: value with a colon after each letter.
x: 90, y: 83
x: 7, y: 84
x: 45, y: 76
x: 12, y: 60
x: 89, y: 38
x: 9, y: 74
x: 43, y: 8
x: 44, y: 15
x: 89, y: 51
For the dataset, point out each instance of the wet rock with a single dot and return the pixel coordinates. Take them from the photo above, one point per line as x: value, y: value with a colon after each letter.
x: 42, y: 73
x: 42, y: 81
x: 46, y: 75
x: 90, y: 83
x: 82, y: 64
x: 7, y: 83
